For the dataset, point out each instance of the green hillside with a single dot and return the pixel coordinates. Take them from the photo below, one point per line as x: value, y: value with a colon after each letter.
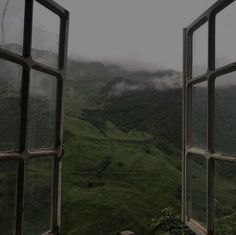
x: 122, y: 164
x: 123, y: 153
x: 116, y: 173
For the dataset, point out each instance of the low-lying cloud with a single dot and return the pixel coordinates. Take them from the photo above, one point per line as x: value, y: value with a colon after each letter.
x: 167, y: 82
x: 123, y: 87
x: 160, y: 84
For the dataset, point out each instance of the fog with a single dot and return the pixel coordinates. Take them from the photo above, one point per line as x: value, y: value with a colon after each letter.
x: 135, y: 33
x: 154, y: 83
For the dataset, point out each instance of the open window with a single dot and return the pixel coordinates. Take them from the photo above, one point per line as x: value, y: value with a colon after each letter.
x: 209, y: 137
x: 32, y: 70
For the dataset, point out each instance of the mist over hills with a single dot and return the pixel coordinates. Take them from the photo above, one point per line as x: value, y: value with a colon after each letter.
x: 122, y: 138
x: 130, y: 99
x: 138, y: 117
x: 122, y: 135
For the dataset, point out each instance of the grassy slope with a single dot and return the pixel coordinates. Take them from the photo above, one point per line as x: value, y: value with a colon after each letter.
x: 112, y: 180
x: 129, y: 191
x: 119, y: 177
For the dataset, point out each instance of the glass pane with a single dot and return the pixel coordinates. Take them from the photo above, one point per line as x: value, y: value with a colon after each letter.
x: 42, y: 110
x: 11, y: 31
x: 226, y: 36
x: 8, y: 171
x: 225, y: 115
x: 199, y: 115
x: 198, y: 188
x: 10, y: 84
x: 38, y: 189
x: 45, y: 38
x: 225, y: 197
x: 200, y: 51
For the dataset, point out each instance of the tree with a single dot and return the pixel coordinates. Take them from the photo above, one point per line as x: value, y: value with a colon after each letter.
x: 169, y: 223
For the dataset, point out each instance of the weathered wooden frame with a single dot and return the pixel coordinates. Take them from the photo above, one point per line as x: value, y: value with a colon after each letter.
x: 208, y: 17
x: 56, y: 153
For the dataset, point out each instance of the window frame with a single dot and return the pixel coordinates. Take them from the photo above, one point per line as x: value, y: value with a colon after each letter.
x: 23, y: 154
x: 209, y: 154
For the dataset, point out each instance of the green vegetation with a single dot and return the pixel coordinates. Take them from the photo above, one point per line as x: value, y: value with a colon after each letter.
x: 122, y: 164
x: 123, y: 159
x: 169, y: 223
x: 119, y: 171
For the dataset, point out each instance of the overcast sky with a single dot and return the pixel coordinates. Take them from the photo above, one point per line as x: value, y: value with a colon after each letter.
x: 145, y: 33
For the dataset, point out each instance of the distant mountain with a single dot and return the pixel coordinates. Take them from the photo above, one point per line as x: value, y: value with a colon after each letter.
x: 122, y: 135
x: 158, y: 112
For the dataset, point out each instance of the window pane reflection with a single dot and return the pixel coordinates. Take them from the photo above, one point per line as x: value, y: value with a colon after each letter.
x: 10, y: 84
x: 8, y: 174
x: 199, y: 115
x: 45, y: 37
x: 225, y: 197
x: 12, y: 28
x: 42, y: 111
x: 198, y: 188
x: 226, y: 36
x: 38, y: 184
x: 200, y: 51
x: 225, y: 114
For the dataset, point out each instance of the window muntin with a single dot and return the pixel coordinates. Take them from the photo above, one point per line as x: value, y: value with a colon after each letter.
x: 216, y: 78
x: 19, y: 148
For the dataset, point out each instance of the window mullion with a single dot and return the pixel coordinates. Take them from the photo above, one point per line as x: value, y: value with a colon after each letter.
x: 24, y: 108
x: 211, y: 127
x: 184, y: 124
x: 19, y: 199
x: 210, y: 196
